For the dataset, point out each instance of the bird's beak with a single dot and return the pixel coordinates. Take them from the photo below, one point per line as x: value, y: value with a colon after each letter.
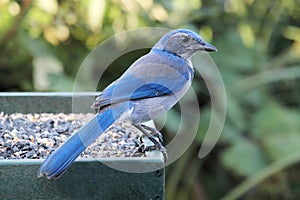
x: 207, y: 47
x: 210, y: 48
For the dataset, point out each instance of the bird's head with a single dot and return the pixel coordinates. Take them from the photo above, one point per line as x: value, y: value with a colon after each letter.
x: 183, y: 43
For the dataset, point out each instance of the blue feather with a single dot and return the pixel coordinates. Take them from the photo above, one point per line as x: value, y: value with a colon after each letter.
x: 135, y: 83
x: 60, y: 160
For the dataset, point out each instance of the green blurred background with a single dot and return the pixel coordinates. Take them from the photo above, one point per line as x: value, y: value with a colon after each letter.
x: 42, y: 44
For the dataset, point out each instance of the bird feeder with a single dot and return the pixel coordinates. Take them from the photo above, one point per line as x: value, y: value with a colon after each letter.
x: 87, y: 178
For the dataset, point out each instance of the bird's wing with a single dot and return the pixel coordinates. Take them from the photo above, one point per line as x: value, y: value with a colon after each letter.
x: 147, y: 77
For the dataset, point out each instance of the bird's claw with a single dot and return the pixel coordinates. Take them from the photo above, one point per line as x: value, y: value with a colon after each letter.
x: 142, y: 149
x: 157, y: 143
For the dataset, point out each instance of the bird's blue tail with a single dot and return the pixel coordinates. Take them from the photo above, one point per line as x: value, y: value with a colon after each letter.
x: 61, y: 159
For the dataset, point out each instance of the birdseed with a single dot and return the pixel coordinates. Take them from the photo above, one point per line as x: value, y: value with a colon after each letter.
x: 35, y: 136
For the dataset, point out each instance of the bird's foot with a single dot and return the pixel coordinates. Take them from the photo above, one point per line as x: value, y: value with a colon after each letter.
x: 142, y: 149
x: 152, y: 137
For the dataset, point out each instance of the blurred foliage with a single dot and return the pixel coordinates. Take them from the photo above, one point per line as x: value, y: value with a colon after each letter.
x: 43, y: 43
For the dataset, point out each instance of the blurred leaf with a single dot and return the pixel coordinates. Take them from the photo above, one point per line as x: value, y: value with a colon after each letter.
x: 235, y: 112
x: 205, y: 116
x: 266, y: 77
x: 244, y: 158
x: 247, y: 34
x: 234, y: 56
x: 60, y: 82
x: 43, y: 66
x: 278, y: 129
x: 254, y: 98
x: 48, y: 70
x: 173, y: 121
x: 230, y: 135
x: 274, y: 120
x: 6, y: 19
x: 281, y: 145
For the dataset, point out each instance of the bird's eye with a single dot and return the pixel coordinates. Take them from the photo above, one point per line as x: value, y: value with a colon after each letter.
x: 185, y: 38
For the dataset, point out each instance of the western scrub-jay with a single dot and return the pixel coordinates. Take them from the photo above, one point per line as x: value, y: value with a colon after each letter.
x: 151, y: 85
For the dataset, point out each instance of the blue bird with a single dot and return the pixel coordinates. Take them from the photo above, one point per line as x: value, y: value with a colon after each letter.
x: 151, y: 86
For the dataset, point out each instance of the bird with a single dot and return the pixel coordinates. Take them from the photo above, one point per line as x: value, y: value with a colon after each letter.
x: 151, y: 85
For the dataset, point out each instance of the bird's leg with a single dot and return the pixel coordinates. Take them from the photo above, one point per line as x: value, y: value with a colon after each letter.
x: 154, y: 132
x: 157, y: 144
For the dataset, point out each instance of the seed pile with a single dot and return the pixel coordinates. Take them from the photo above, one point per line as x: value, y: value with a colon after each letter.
x: 34, y: 136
